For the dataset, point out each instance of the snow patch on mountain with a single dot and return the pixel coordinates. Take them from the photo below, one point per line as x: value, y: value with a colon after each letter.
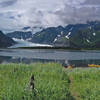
x: 87, y: 40
x: 94, y: 34
x: 55, y: 39
x: 67, y: 36
x: 58, y: 35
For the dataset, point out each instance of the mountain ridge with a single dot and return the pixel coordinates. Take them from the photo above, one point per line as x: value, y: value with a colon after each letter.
x: 72, y: 35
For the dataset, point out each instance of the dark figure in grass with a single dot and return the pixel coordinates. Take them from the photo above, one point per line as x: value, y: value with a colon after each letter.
x: 32, y: 85
x: 32, y: 82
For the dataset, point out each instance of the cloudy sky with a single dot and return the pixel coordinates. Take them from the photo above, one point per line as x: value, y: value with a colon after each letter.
x: 15, y: 14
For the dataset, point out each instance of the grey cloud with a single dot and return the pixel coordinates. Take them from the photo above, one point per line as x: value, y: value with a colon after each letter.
x: 80, y: 13
x: 7, y: 3
x: 92, y: 2
x: 20, y: 13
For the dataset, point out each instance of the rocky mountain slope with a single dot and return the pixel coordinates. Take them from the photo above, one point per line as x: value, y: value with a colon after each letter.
x: 5, y: 41
x: 77, y: 35
x: 20, y: 35
x: 25, y: 34
x: 83, y: 37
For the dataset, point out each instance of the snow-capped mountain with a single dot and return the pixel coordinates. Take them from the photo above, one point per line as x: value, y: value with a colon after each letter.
x: 25, y: 33
x: 81, y: 36
x: 77, y: 35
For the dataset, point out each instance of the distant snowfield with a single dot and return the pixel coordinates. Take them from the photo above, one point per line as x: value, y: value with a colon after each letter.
x: 23, y: 43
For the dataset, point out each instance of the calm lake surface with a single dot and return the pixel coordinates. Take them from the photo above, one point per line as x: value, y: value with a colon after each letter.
x: 64, y: 57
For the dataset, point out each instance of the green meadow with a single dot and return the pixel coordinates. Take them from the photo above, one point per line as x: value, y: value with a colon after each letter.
x: 51, y: 82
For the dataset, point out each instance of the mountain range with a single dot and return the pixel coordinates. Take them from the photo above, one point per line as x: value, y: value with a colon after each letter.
x: 73, y: 35
x: 81, y: 36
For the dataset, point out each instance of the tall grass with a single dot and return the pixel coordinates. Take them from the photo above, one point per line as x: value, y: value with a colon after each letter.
x: 85, y: 83
x: 51, y: 83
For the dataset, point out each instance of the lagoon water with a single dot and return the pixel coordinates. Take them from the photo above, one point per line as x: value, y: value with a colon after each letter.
x: 77, y: 58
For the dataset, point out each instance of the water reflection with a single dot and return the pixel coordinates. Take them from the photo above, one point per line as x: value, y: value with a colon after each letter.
x: 64, y: 57
x: 76, y: 63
